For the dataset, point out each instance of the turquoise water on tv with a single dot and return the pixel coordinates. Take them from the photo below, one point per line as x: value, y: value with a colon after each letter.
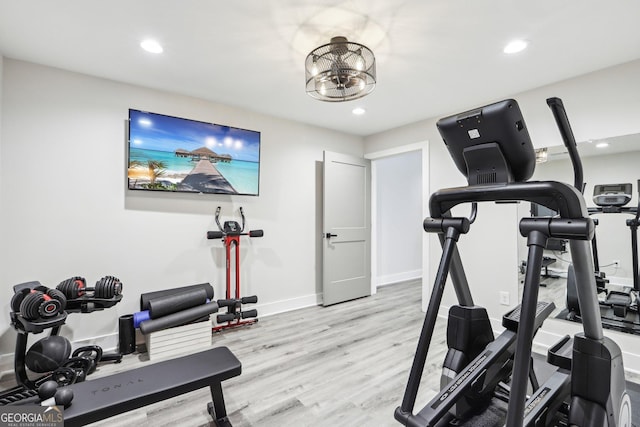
x: 242, y: 175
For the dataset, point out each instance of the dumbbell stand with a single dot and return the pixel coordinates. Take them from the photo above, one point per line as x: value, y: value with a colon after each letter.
x: 91, y: 304
x: 233, y: 240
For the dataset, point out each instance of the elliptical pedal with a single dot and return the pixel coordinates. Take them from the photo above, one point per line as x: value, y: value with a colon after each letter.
x: 511, y: 320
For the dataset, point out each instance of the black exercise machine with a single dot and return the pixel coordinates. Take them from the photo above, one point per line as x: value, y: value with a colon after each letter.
x: 230, y: 234
x: 619, y: 308
x: 491, y: 147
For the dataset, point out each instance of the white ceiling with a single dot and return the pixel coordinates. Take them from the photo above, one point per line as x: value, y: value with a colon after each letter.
x: 433, y: 57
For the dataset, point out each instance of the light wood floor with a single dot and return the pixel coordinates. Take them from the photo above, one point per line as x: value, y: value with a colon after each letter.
x: 344, y: 365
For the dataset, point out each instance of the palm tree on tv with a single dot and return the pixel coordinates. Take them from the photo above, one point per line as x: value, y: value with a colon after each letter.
x: 156, y: 168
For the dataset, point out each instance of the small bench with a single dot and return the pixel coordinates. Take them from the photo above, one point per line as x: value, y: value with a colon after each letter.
x: 95, y: 400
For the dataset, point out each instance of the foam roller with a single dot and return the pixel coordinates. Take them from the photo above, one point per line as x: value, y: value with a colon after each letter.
x: 145, y: 298
x: 178, y: 319
x: 169, y: 304
x: 139, y: 317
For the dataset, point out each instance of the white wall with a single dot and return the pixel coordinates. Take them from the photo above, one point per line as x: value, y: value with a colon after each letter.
x: 601, y: 104
x: 1, y: 86
x: 66, y: 211
x: 398, y: 196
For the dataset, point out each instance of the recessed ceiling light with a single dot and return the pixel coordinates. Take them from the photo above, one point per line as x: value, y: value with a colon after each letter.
x: 602, y: 145
x: 358, y: 111
x: 515, y: 46
x: 151, y: 46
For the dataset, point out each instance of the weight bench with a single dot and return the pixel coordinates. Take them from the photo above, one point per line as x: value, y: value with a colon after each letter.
x: 95, y: 400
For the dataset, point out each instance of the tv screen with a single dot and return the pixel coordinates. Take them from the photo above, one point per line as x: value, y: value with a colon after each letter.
x: 181, y: 155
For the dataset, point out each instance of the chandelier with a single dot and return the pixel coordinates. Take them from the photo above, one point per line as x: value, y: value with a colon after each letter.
x: 340, y: 71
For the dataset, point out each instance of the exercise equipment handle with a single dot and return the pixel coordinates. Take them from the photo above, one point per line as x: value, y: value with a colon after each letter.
x: 214, y: 235
x: 249, y: 313
x: 243, y: 220
x: 228, y: 317
x: 231, y: 302
x: 218, y: 217
x: 256, y: 233
x: 562, y: 121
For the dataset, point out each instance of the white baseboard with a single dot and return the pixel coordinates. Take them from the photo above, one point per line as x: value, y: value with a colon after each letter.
x: 390, y: 279
x: 269, y: 309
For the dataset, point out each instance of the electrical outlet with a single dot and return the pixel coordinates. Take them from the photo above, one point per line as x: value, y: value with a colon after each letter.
x: 504, y: 298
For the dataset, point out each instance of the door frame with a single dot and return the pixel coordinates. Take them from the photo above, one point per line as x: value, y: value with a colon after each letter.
x: 423, y: 147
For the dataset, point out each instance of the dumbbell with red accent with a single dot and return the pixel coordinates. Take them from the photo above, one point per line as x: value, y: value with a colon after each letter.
x: 76, y: 287
x: 39, y: 302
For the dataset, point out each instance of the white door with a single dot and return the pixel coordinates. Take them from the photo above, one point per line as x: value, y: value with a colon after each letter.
x: 347, y: 231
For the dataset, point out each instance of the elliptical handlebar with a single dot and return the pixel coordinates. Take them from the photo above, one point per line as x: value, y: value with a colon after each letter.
x: 231, y: 228
x: 562, y: 121
x: 217, y: 216
x: 243, y: 220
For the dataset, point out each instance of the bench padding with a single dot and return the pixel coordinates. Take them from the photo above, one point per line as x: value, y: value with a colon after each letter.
x: 105, y: 397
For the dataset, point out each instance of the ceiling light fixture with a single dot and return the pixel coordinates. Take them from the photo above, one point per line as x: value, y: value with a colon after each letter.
x: 542, y: 155
x: 602, y: 145
x: 151, y: 46
x: 358, y: 111
x: 340, y: 71
x: 515, y: 46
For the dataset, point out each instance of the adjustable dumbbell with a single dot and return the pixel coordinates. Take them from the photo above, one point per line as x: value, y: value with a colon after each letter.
x: 76, y: 287
x: 39, y: 302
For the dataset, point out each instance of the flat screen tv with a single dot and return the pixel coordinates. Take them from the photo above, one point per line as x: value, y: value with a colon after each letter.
x: 172, y: 154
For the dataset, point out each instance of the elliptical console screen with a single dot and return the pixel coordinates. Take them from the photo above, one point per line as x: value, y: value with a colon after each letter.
x: 612, y: 194
x: 490, y: 144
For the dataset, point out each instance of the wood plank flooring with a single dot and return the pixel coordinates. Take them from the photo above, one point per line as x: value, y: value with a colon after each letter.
x: 343, y: 365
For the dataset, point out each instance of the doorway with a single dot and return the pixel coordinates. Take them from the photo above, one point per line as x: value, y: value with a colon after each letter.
x: 399, y: 203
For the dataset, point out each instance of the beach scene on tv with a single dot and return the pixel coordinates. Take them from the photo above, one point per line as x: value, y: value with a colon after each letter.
x: 174, y: 154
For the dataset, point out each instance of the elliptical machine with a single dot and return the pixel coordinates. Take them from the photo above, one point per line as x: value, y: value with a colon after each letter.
x: 619, y: 308
x: 492, y: 148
